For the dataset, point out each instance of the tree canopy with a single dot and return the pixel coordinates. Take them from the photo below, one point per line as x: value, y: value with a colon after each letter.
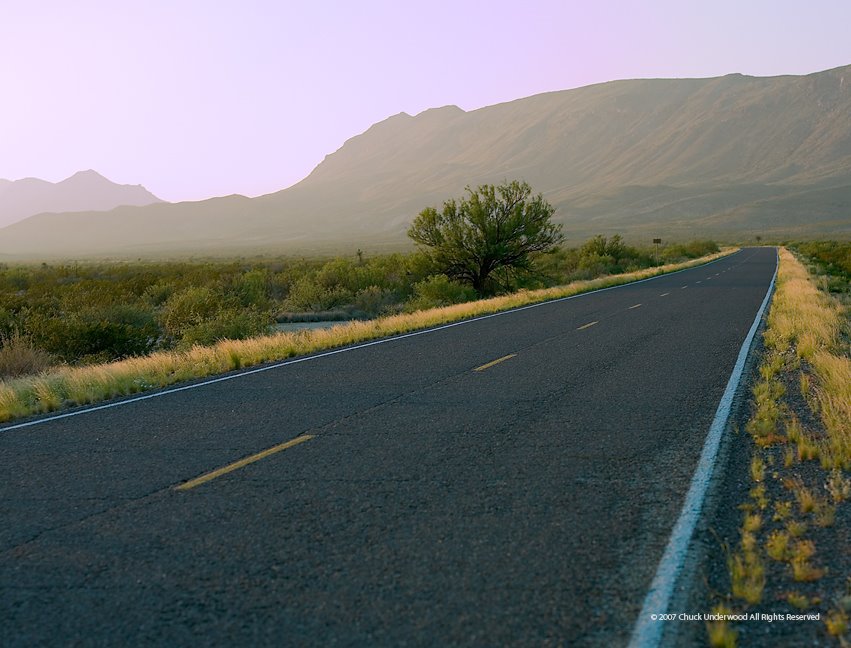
x: 493, y: 228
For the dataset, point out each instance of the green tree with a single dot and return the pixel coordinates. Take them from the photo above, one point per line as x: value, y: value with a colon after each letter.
x: 494, y: 228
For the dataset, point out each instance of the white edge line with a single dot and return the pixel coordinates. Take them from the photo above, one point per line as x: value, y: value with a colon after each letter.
x: 277, y: 365
x: 647, y: 633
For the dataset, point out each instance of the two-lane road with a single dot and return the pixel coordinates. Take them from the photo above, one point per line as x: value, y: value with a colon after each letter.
x: 509, y: 480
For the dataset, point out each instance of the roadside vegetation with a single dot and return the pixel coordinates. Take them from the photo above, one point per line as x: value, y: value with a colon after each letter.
x: 488, y: 238
x: 75, y: 334
x: 792, y: 555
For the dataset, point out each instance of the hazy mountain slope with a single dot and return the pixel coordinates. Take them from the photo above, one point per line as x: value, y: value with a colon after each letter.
x: 728, y: 156
x: 85, y: 190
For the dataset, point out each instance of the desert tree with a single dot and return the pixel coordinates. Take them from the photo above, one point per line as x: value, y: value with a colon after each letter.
x: 492, y: 229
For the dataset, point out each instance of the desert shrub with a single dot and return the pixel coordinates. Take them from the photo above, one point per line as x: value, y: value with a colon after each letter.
x: 230, y: 324
x: 18, y: 357
x: 602, y: 247
x: 157, y: 294
x: 95, y: 335
x: 251, y: 288
x: 308, y: 294
x: 439, y: 290
x: 15, y: 279
x: 8, y: 322
x: 833, y: 256
x: 373, y: 301
x: 690, y: 250
x: 187, y: 308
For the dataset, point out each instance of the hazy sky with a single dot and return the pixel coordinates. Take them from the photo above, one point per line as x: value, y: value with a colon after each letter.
x: 202, y: 98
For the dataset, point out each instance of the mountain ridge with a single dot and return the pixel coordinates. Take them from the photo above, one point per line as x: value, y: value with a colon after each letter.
x: 725, y: 157
x: 85, y: 190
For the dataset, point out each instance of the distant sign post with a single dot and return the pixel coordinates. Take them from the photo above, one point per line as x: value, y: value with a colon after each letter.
x: 657, y: 242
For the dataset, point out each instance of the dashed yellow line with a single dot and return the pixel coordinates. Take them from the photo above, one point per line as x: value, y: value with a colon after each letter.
x: 588, y: 325
x: 494, y: 362
x: 633, y: 306
x: 236, y: 465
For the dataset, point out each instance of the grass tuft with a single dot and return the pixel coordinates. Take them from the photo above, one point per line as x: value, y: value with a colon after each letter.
x: 838, y: 486
x: 747, y: 574
x: 796, y: 528
x: 757, y: 468
x: 721, y: 633
x: 782, y: 510
x: 802, y: 569
x: 801, y: 601
x: 777, y: 546
x: 836, y: 623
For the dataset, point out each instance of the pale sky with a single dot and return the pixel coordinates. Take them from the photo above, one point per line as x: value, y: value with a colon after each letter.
x: 199, y: 98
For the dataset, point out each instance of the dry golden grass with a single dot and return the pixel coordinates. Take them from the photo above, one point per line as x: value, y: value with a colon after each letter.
x: 18, y: 357
x: 796, y: 528
x: 802, y: 335
x: 757, y: 468
x: 801, y: 601
x: 804, y: 317
x: 777, y: 545
x: 752, y: 522
x: 805, y: 497
x: 836, y: 623
x: 747, y: 576
x: 69, y: 386
x: 838, y: 486
x: 782, y: 510
x: 824, y: 514
x: 721, y: 633
x: 802, y: 569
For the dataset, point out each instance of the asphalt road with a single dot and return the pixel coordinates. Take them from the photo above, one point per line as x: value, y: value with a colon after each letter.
x: 524, y: 504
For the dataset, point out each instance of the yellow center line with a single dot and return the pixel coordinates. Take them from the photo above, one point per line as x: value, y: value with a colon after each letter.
x: 236, y: 465
x: 588, y: 325
x: 664, y: 294
x: 633, y: 306
x: 493, y: 362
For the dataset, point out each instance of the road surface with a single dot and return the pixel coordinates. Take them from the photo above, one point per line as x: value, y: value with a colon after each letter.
x: 508, y: 481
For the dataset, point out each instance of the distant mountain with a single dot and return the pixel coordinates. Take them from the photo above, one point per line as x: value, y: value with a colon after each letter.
x: 83, y: 191
x: 726, y: 157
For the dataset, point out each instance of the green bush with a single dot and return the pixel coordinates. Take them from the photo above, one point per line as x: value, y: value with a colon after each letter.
x: 187, y: 308
x: 309, y: 295
x: 93, y: 335
x: 691, y: 250
x: 374, y: 301
x: 231, y: 325
x: 251, y: 289
x: 439, y: 290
